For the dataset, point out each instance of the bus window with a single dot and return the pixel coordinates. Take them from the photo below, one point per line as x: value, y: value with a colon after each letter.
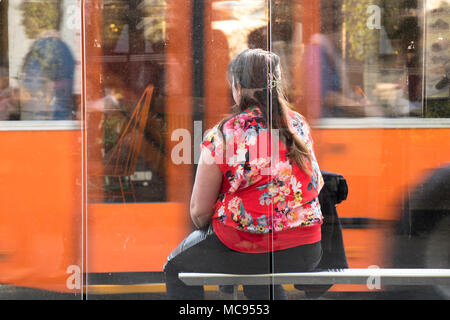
x: 39, y: 60
x: 437, y: 60
x: 229, y: 28
x: 373, y: 59
x: 140, y: 58
x: 131, y: 42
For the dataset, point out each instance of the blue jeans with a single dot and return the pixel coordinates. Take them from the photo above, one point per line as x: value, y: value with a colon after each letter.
x: 202, y: 251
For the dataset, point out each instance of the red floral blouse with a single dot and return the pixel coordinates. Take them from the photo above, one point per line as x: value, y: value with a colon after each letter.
x: 267, y: 202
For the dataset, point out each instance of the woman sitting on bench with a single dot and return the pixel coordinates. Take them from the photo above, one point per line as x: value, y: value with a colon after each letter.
x: 255, y: 196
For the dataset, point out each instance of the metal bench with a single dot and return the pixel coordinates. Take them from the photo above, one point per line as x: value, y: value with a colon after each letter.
x: 370, y: 276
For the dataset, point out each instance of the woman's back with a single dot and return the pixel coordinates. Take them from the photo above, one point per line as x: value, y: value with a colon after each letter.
x: 257, y: 185
x: 264, y: 193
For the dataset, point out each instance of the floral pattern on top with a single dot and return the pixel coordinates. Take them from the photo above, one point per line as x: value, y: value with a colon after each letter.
x: 263, y: 191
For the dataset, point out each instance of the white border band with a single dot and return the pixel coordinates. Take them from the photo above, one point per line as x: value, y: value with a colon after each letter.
x: 381, y: 123
x: 40, y: 125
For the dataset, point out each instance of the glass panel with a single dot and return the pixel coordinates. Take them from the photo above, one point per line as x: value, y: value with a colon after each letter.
x: 157, y: 78
x: 138, y: 93
x: 373, y: 61
x: 41, y: 199
x: 132, y: 57
x: 296, y: 210
x: 157, y: 81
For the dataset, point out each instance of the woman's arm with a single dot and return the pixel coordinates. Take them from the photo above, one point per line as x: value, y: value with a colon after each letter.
x: 208, y: 182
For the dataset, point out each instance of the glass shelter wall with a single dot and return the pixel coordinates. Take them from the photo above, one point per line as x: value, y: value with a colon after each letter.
x: 372, y: 78
x: 148, y: 112
x: 41, y: 211
x: 358, y: 71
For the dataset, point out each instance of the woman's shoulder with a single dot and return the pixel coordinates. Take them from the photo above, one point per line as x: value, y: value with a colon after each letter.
x: 250, y: 118
x: 299, y: 123
x: 297, y: 118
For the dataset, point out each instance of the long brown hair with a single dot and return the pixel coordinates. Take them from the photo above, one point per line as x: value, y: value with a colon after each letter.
x: 258, y: 73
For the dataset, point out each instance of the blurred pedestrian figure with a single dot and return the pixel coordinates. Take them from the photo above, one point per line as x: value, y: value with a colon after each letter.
x: 48, y: 68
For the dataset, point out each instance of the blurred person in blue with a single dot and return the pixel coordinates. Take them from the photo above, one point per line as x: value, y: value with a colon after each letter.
x: 48, y: 69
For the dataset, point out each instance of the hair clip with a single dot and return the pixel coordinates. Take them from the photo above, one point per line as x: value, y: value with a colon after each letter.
x: 272, y: 81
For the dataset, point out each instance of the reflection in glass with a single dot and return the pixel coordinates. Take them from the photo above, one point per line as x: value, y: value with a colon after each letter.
x: 437, y: 60
x: 134, y: 42
x: 134, y: 47
x: 38, y: 61
x: 369, y: 56
x: 364, y: 70
x: 340, y: 59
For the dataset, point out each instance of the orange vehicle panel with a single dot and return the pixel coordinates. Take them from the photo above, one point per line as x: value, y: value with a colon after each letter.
x: 379, y: 165
x: 134, y: 237
x: 40, y: 207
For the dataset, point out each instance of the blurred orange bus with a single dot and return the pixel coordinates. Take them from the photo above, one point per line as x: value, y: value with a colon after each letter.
x: 98, y: 193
